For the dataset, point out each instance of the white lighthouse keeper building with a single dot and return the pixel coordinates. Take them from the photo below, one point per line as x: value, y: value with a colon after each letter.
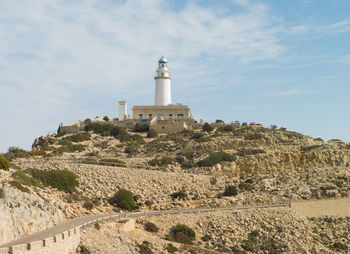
x: 163, y: 84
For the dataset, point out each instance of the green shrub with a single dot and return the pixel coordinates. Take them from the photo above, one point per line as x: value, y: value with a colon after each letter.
x: 88, y: 205
x: 166, y: 161
x: 103, y: 129
x: 154, y: 162
x: 206, y: 238
x: 219, y: 121
x: 253, y: 136
x: 131, y: 149
x: 113, y: 161
x: 97, y: 226
x: 22, y: 178
x: 318, y: 139
x: 171, y: 248
x: 144, y: 249
x: 245, y: 152
x: 213, y: 180
x: 230, y: 191
x: 71, y: 148
x: 141, y: 127
x: 84, y: 250
x: 16, y: 152
x: 82, y: 136
x: 121, y: 134
x: 179, y: 195
x: 124, y: 200
x: 339, y: 246
x: 152, y: 134
x: 309, y: 148
x: 245, y: 186
x: 183, y: 234
x: 19, y: 186
x: 215, y: 158
x: 65, y: 142
x: 272, y: 246
x: 60, y: 179
x: 207, y: 128
x: 37, y: 153
x: 151, y: 227
x: 4, y: 164
x: 105, y: 118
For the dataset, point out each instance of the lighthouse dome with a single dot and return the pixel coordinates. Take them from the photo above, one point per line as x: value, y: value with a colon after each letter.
x: 162, y: 60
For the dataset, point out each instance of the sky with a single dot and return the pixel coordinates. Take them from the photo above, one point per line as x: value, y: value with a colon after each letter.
x: 265, y: 61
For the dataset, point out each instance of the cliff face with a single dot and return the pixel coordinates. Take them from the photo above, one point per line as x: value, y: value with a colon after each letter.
x: 280, y: 160
x: 22, y: 214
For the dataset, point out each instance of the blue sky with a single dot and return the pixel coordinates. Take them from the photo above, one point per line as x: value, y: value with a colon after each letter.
x: 271, y: 62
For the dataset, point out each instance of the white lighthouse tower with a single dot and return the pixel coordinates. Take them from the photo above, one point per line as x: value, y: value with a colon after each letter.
x: 163, y: 84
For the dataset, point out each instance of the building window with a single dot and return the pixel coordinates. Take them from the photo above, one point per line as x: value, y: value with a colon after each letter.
x: 170, y: 115
x: 180, y: 114
x: 150, y: 115
x: 140, y: 115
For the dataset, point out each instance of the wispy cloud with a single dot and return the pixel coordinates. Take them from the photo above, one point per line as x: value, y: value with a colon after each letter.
x: 292, y: 93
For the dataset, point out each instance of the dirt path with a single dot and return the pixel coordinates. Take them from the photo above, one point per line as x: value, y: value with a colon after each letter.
x: 317, y: 208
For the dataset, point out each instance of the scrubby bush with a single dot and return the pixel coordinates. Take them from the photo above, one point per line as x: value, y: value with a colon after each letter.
x: 245, y: 186
x: 245, y: 152
x: 154, y: 162
x: 309, y: 148
x: 207, y: 127
x: 152, y: 134
x: 84, y: 250
x: 69, y: 147
x: 183, y: 234
x: 22, y: 178
x: 131, y: 149
x: 171, y: 248
x: 230, y: 191
x: 121, y: 134
x: 151, y: 227
x: 97, y: 226
x: 215, y: 158
x: 103, y: 129
x: 16, y: 152
x: 219, y: 121
x: 88, y: 205
x: 64, y: 180
x: 166, y: 161
x: 4, y: 164
x: 253, y: 136
x: 123, y: 199
x: 179, y: 195
x: 106, y: 118
x: 144, y: 249
x: 79, y: 137
x: 37, y: 153
x: 19, y: 186
x: 213, y: 180
x: 141, y: 127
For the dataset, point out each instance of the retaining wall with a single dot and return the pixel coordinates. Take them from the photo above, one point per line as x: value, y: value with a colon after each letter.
x: 67, y: 241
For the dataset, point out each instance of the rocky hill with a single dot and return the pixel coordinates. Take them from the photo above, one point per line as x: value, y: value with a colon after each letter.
x: 226, y: 166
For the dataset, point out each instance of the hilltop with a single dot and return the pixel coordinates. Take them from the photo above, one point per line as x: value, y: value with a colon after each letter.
x: 222, y: 166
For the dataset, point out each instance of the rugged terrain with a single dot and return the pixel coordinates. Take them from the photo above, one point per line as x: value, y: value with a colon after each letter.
x: 265, y: 165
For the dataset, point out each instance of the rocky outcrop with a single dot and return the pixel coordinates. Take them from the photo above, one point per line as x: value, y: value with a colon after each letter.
x: 23, y: 214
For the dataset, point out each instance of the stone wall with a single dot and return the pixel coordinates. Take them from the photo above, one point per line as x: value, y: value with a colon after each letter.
x: 169, y: 126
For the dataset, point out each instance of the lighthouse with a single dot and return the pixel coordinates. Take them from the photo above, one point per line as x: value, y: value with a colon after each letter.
x: 163, y: 84
x: 163, y: 108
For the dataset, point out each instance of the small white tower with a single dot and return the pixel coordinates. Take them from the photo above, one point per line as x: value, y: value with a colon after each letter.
x: 163, y: 84
x: 122, y: 110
